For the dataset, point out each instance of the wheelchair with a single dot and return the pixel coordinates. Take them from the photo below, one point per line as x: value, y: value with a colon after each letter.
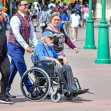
x: 43, y: 81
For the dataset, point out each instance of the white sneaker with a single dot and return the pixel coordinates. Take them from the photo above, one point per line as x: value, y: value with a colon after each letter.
x: 5, y: 99
x: 74, y: 39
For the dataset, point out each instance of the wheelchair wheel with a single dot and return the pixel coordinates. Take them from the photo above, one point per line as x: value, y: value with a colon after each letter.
x: 38, y: 81
x: 55, y: 97
x: 68, y: 96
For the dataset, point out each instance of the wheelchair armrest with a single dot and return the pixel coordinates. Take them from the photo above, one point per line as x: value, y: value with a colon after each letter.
x: 45, y: 61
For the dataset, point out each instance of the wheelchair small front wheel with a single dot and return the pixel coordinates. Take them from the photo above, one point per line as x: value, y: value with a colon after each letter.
x: 55, y: 97
x: 68, y: 96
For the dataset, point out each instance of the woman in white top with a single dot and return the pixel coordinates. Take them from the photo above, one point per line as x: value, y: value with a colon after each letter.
x: 75, y: 18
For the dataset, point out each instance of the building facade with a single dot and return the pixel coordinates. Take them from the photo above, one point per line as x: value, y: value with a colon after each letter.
x: 98, y: 11
x: 97, y: 8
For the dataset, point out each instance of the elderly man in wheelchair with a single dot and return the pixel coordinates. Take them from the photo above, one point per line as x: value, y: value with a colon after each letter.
x: 48, y: 72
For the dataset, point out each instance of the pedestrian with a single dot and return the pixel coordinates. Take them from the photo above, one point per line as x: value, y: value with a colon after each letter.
x: 51, y: 4
x: 33, y: 12
x: 65, y: 5
x: 85, y: 14
x: 75, y: 18
x: 3, y: 18
x: 66, y: 25
x: 78, y: 8
x: 20, y: 32
x: 38, y: 16
x: 4, y: 64
x: 59, y: 9
x: 61, y: 37
x: 44, y: 19
x: 64, y: 18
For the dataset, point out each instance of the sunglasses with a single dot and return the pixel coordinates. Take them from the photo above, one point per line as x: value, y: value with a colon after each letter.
x: 51, y: 38
x: 24, y: 5
x: 56, y: 20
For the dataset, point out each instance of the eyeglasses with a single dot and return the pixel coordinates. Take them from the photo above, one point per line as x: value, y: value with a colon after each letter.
x: 56, y: 20
x: 24, y: 5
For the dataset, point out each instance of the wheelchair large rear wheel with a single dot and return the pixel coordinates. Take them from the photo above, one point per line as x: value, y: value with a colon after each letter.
x: 36, y: 80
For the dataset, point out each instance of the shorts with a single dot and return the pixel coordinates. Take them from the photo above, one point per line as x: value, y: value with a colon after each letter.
x: 85, y: 16
x: 34, y: 22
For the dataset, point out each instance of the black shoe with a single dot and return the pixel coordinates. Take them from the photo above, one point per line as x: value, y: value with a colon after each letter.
x: 81, y: 91
x: 34, y: 94
x: 5, y: 99
x: 10, y: 96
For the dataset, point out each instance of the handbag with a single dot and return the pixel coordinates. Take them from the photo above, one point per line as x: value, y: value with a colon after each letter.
x: 43, y: 24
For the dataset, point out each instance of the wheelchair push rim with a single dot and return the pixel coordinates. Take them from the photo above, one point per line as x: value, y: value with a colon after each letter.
x: 36, y: 76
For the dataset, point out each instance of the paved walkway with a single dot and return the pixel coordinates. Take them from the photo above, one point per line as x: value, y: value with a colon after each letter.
x: 96, y: 77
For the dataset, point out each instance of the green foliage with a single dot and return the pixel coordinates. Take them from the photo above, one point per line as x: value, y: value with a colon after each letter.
x: 66, y: 1
x: 30, y: 1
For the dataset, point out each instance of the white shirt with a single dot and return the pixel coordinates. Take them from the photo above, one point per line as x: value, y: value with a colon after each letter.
x: 15, y: 25
x: 75, y: 20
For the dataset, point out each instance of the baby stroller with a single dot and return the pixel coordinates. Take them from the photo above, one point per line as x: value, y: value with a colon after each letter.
x: 44, y: 80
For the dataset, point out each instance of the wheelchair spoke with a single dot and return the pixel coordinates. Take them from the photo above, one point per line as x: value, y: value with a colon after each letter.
x: 28, y: 93
x: 30, y: 79
x: 27, y: 84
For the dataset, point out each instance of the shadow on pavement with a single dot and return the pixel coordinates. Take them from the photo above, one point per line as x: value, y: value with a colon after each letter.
x: 74, y: 100
x: 19, y: 100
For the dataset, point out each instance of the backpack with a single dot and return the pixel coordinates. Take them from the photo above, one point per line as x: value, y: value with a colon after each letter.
x: 78, y: 8
x: 3, y: 41
x: 33, y: 12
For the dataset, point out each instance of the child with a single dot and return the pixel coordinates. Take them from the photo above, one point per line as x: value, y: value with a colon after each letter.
x: 38, y: 16
x: 75, y: 23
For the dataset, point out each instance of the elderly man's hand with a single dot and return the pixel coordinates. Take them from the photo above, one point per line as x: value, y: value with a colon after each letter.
x: 58, y: 63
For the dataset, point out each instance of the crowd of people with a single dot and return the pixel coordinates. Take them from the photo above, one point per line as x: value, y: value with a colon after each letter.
x: 73, y: 14
x: 54, y: 19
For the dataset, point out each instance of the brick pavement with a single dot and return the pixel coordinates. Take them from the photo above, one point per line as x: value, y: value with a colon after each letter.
x: 96, y: 77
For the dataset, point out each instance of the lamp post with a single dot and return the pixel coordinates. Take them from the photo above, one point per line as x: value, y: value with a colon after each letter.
x: 10, y: 5
x: 90, y: 42
x: 103, y: 54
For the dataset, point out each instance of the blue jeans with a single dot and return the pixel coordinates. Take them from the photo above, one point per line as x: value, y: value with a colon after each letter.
x: 17, y: 64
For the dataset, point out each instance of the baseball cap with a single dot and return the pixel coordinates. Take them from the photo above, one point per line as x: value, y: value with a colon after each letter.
x: 47, y: 34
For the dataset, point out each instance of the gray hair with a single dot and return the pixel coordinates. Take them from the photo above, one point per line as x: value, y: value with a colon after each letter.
x: 54, y: 14
x: 42, y: 39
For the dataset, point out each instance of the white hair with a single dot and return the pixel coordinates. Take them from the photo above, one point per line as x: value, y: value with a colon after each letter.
x: 43, y: 38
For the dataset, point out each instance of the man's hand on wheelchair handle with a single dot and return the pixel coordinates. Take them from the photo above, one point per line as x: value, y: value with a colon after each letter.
x: 29, y: 50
